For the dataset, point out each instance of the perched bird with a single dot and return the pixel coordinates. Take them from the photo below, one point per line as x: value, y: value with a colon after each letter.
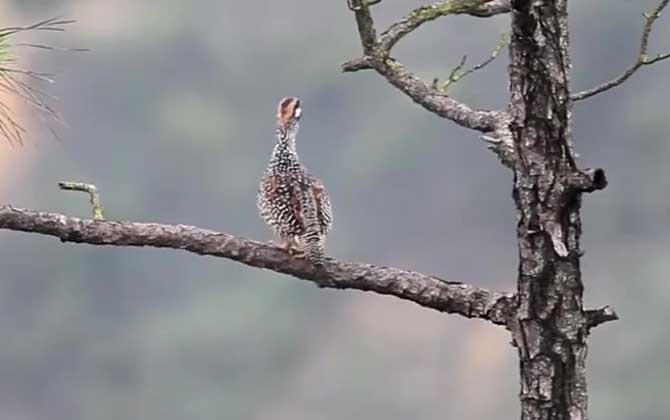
x: 293, y: 202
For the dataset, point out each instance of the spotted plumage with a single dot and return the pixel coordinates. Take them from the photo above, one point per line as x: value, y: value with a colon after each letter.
x: 293, y: 202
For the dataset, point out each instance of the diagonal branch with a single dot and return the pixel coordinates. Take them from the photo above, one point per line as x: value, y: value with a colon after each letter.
x: 428, y: 291
x: 458, y: 73
x: 377, y: 57
x: 643, y: 58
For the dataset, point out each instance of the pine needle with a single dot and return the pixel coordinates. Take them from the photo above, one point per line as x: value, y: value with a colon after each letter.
x: 25, y: 83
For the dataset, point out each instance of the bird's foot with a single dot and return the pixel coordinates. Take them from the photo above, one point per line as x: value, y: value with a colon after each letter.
x: 297, y: 252
x: 296, y: 249
x: 281, y: 244
x: 292, y: 246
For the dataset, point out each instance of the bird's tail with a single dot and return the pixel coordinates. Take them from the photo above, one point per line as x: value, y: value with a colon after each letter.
x: 313, y: 238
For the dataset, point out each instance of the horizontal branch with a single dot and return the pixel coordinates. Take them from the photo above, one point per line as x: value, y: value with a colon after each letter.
x: 643, y: 58
x: 427, y: 291
x: 377, y: 57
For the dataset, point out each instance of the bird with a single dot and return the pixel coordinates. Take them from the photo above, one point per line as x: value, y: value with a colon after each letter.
x: 293, y: 202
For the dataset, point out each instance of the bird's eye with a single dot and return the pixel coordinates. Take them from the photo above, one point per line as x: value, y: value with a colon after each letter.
x: 297, y: 113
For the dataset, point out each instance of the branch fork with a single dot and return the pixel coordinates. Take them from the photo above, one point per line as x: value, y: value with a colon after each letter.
x: 431, y: 97
x: 642, y: 58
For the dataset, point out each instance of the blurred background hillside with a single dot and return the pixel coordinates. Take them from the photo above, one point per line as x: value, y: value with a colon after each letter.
x: 171, y: 114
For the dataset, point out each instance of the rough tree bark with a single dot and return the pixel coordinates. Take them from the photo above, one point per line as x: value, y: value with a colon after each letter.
x: 550, y: 326
x: 546, y: 316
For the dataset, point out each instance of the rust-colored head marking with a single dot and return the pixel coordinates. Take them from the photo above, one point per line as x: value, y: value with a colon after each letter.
x: 288, y: 111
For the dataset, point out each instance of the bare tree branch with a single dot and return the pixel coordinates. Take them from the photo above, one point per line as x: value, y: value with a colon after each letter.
x: 376, y: 56
x: 458, y: 73
x: 417, y: 17
x: 643, y: 58
x: 429, y: 291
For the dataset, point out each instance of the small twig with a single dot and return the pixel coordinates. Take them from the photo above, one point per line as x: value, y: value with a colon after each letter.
x: 363, y: 63
x: 92, y: 190
x: 457, y: 73
x: 595, y: 317
x: 643, y: 58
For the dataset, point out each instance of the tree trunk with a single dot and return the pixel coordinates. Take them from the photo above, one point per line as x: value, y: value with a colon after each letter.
x: 550, y: 326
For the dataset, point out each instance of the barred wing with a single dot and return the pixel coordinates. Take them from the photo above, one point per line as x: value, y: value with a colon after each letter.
x: 325, y: 210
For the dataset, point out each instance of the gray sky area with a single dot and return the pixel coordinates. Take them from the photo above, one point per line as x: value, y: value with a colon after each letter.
x: 172, y: 115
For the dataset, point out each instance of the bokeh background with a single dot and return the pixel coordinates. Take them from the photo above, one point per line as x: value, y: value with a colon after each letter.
x: 171, y: 114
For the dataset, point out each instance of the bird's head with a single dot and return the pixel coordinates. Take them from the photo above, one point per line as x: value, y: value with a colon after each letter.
x: 288, y: 115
